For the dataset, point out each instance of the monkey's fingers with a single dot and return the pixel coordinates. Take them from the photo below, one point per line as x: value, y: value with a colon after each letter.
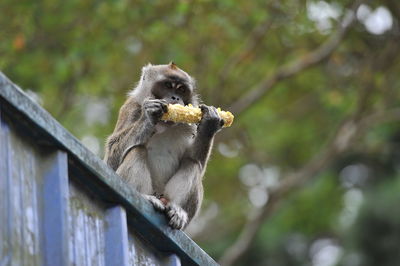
x: 155, y: 103
x: 178, y: 217
x: 190, y: 114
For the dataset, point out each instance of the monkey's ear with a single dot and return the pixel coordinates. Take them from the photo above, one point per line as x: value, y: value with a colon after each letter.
x: 144, y: 70
x: 172, y: 65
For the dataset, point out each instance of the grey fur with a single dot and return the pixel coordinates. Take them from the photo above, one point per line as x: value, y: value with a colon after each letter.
x: 162, y: 161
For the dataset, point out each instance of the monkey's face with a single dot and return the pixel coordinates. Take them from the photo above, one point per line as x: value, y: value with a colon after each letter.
x: 173, y: 89
x: 166, y: 82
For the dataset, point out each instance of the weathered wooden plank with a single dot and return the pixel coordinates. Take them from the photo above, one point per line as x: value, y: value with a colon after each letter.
x: 116, y: 250
x: 20, y: 242
x: 56, y: 211
x: 5, y: 210
x: 87, y: 232
x: 100, y: 178
x: 24, y: 225
x: 141, y: 254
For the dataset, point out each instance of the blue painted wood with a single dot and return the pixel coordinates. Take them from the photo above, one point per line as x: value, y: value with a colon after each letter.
x: 56, y: 211
x: 173, y: 260
x: 141, y: 253
x: 20, y: 205
x: 87, y: 220
x: 5, y: 206
x: 116, y: 250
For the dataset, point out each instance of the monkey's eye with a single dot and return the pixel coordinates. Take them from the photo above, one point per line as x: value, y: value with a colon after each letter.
x: 168, y: 84
x: 181, y: 89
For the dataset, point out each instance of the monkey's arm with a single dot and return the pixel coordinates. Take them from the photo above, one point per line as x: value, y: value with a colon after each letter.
x: 184, y: 190
x: 209, y: 125
x: 135, y: 126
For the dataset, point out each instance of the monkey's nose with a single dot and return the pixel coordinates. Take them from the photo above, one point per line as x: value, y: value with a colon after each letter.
x: 175, y: 99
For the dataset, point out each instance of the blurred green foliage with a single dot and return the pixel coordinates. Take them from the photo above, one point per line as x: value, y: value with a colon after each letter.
x: 80, y: 58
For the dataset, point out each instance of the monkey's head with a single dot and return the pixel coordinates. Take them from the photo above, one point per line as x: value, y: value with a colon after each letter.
x: 167, y: 82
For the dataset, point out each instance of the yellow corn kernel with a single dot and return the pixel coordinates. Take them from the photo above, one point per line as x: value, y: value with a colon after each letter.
x: 190, y: 114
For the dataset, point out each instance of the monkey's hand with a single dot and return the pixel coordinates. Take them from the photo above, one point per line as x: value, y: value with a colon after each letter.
x: 177, y: 216
x: 211, y: 122
x: 154, y: 109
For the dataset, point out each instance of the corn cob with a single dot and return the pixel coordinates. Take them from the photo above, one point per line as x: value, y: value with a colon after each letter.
x: 190, y: 114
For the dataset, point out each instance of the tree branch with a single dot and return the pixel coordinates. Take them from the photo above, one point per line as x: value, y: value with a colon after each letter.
x: 251, y: 43
x: 349, y: 130
x: 287, y: 71
x: 289, y: 183
x: 344, y: 138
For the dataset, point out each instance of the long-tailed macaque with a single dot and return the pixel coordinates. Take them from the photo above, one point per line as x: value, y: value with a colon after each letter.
x: 164, y: 161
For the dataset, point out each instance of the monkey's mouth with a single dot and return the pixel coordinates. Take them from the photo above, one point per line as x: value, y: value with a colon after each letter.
x: 167, y: 123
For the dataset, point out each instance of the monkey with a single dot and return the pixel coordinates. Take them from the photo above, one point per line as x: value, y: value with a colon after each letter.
x: 164, y: 161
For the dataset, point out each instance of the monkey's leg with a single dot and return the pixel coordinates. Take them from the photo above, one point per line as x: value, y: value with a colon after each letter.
x: 184, y: 193
x: 135, y: 171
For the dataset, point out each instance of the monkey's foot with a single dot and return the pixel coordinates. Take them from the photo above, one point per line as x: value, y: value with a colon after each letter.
x: 157, y: 204
x: 177, y: 216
